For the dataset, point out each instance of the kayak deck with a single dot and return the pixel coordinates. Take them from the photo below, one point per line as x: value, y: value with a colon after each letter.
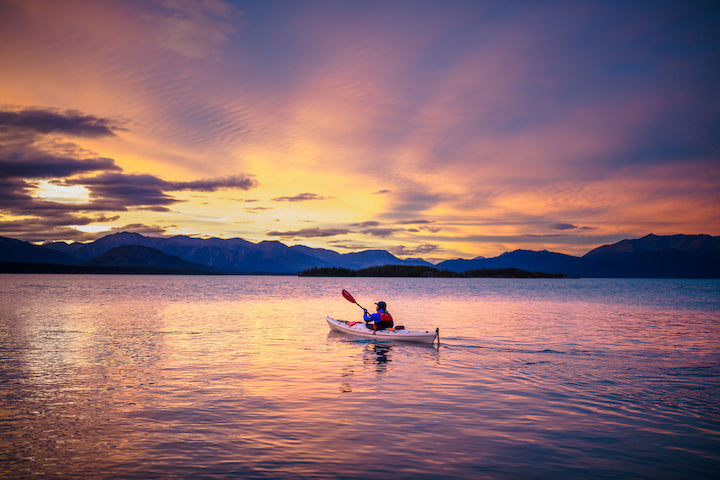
x: 359, y: 329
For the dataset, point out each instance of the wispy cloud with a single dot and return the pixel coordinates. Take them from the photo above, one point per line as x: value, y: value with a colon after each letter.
x: 369, y: 223
x: 418, y: 250
x: 196, y: 29
x: 568, y: 226
x: 381, y: 232
x: 310, y: 233
x: 302, y: 197
x: 147, y: 230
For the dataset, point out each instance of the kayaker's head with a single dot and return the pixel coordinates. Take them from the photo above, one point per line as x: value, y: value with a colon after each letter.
x: 381, y: 306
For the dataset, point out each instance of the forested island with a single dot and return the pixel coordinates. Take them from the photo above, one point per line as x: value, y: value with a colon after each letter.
x: 423, y: 271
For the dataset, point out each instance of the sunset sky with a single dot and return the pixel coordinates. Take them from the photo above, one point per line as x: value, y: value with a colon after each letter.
x: 434, y: 129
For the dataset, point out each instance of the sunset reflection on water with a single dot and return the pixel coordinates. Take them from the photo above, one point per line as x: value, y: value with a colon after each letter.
x: 134, y: 377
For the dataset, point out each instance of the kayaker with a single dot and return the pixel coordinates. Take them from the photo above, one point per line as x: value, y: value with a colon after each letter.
x: 380, y: 320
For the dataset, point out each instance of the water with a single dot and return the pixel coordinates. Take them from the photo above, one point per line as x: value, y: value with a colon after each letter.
x: 238, y: 377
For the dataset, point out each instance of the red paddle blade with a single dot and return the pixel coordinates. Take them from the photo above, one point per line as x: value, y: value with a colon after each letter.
x: 348, y: 297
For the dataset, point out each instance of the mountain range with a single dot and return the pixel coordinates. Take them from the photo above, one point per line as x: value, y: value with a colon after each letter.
x: 673, y: 256
x: 652, y: 256
x: 209, y: 255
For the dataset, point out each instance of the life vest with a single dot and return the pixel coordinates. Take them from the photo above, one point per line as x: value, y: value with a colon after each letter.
x: 385, y: 317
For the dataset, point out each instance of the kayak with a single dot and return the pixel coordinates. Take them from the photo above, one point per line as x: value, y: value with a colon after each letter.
x: 359, y: 329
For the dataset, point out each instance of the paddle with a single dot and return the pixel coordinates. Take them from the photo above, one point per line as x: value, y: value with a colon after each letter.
x: 350, y: 299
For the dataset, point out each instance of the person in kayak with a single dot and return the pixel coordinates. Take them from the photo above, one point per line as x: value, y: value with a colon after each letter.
x: 380, y: 320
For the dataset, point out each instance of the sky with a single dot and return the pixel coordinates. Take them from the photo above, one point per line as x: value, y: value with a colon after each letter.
x: 433, y: 129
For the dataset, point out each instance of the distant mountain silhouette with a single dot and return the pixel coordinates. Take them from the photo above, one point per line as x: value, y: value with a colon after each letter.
x: 656, y: 256
x: 697, y: 245
x: 653, y: 256
x: 672, y: 256
x: 236, y: 255
x: 137, y: 256
x: 460, y: 264
x: 529, y: 260
x: 12, y: 250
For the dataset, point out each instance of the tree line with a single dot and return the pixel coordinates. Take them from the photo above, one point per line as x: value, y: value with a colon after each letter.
x: 425, y: 271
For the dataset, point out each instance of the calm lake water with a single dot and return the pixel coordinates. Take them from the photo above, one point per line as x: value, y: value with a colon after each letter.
x: 238, y: 377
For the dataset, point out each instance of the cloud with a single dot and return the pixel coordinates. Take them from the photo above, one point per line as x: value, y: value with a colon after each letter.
x: 563, y: 226
x: 310, y: 233
x: 108, y: 191
x: 16, y: 199
x: 120, y: 190
x: 141, y: 228
x: 46, y: 121
x: 381, y: 232
x: 27, y: 150
x: 416, y: 199
x: 117, y: 191
x: 13, y: 192
x: 347, y: 246
x: 58, y: 226
x: 387, y: 231
x: 32, y: 163
x: 300, y: 198
x: 424, y: 249
x: 568, y: 226
x: 242, y: 182
x: 63, y: 228
x: 257, y: 209
x: 196, y: 29
x: 32, y: 148
x: 413, y: 222
x: 371, y: 223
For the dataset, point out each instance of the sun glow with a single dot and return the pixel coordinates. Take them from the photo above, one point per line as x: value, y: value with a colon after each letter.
x: 93, y: 228
x: 51, y: 192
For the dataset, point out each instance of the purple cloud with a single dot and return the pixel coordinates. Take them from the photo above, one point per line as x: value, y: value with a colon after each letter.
x: 47, y: 121
x: 382, y: 232
x: 302, y: 197
x: 310, y: 233
x: 370, y: 223
x: 424, y: 249
x: 31, y: 163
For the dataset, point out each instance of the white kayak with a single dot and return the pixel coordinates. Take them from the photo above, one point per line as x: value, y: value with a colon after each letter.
x: 359, y: 329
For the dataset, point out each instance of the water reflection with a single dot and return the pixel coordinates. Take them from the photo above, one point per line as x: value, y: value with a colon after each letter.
x: 369, y: 362
x: 378, y: 354
x: 190, y: 377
